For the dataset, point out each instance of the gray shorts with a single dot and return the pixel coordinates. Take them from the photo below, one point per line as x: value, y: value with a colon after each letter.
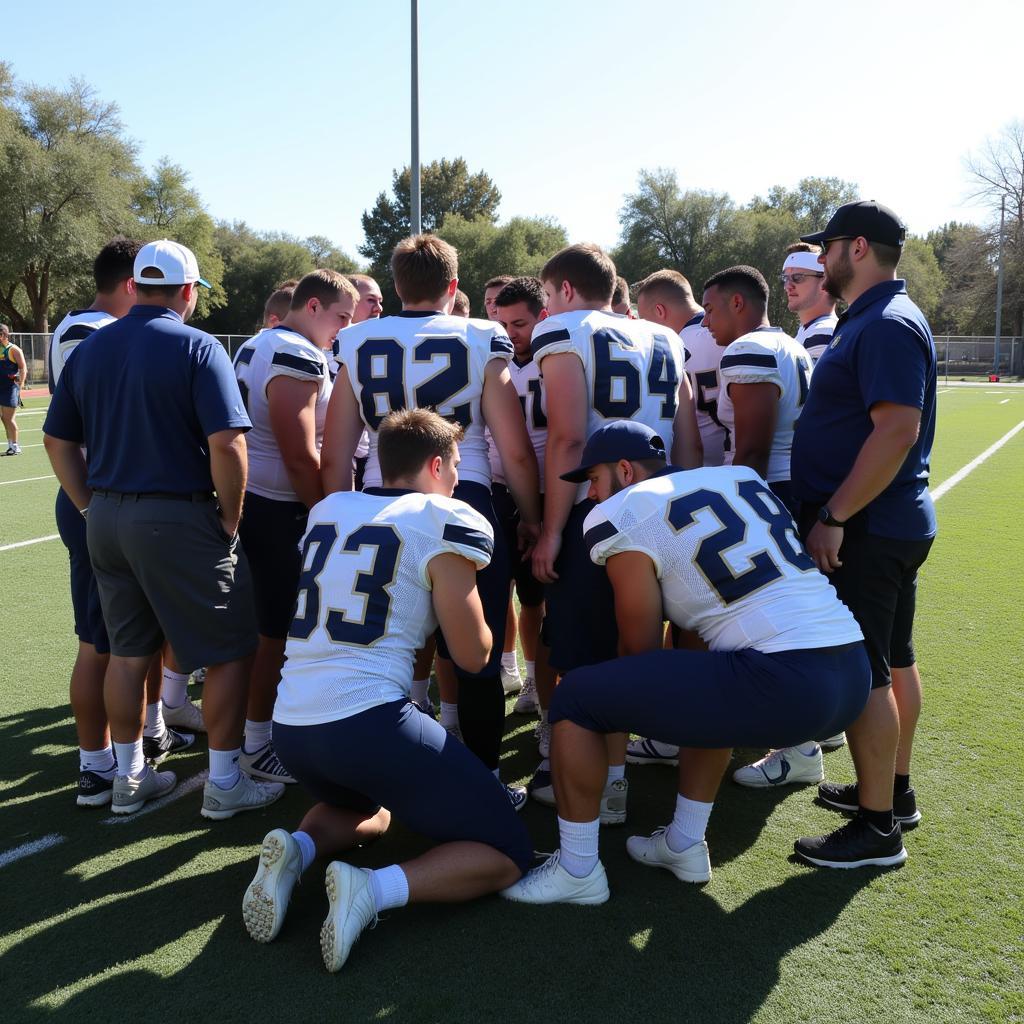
x: 165, y: 569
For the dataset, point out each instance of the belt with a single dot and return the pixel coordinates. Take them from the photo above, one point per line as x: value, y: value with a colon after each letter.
x: 156, y: 495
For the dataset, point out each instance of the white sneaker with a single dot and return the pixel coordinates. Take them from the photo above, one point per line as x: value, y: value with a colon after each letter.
x: 644, y: 751
x: 780, y: 768
x: 613, y: 802
x: 266, y: 900
x: 351, y: 909
x: 128, y: 793
x: 544, y: 739
x: 511, y: 681
x: 526, y: 704
x: 691, y: 865
x: 189, y: 716
x: 833, y: 742
x: 266, y: 765
x: 245, y: 795
x: 551, y: 883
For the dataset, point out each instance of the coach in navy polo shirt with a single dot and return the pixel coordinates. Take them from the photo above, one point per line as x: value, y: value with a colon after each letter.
x: 860, y: 466
x: 158, y: 408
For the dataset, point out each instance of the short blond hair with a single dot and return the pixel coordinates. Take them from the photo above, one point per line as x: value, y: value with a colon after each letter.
x: 408, y: 438
x: 422, y: 267
x: 326, y: 285
x: 666, y: 286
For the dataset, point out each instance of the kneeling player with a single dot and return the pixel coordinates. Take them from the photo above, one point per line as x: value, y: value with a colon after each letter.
x: 718, y: 552
x: 381, y: 569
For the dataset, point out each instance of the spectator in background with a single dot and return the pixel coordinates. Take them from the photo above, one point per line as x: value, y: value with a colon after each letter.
x: 13, y: 371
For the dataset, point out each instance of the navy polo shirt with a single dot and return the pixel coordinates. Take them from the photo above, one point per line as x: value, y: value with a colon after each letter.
x: 143, y: 394
x: 882, y: 351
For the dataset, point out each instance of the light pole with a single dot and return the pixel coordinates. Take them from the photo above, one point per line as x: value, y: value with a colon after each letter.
x: 415, y: 215
x: 999, y: 284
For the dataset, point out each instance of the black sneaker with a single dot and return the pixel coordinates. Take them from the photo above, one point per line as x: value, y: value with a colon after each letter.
x: 94, y: 790
x: 856, y: 844
x: 157, y: 749
x: 842, y: 796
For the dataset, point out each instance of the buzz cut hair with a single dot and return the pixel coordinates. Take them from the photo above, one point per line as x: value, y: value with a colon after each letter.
x: 409, y: 438
x: 499, y: 282
x: 422, y: 268
x: 358, y: 279
x: 461, y: 303
x: 328, y: 286
x: 666, y: 286
x: 802, y: 247
x: 743, y: 280
x: 115, y: 263
x: 587, y: 267
x: 528, y: 290
x: 279, y: 301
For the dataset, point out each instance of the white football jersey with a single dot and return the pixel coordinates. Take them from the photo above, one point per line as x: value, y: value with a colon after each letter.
x: 728, y: 558
x: 526, y: 377
x: 816, y: 334
x: 632, y: 367
x: 70, y: 332
x: 703, y: 360
x: 364, y: 607
x: 334, y: 363
x: 767, y: 355
x: 424, y: 360
x: 277, y: 352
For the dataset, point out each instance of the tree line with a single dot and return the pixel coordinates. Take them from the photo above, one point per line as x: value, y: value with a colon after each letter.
x: 70, y: 180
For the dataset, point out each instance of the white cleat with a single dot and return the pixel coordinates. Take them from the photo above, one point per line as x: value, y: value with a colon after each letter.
x: 833, y: 742
x: 511, y: 681
x: 188, y: 716
x: 351, y: 909
x: 613, y: 802
x: 245, y: 795
x: 266, y: 900
x: 644, y: 751
x: 690, y: 865
x: 551, y: 883
x: 781, y: 768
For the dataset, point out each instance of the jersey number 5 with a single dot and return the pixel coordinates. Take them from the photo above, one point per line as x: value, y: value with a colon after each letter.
x: 372, y: 585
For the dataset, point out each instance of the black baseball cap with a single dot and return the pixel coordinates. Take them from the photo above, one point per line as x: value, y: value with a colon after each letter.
x: 621, y: 439
x: 866, y: 218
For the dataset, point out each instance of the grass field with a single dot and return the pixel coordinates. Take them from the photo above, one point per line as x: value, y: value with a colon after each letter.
x: 141, y: 917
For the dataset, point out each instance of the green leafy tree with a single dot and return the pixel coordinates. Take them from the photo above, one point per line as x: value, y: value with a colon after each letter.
x: 66, y: 177
x: 326, y: 254
x: 920, y: 268
x: 811, y: 203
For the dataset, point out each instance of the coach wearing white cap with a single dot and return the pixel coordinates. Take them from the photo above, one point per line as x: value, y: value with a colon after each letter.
x: 157, y: 406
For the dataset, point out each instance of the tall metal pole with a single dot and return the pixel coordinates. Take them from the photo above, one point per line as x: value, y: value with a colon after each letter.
x: 999, y: 282
x: 415, y: 216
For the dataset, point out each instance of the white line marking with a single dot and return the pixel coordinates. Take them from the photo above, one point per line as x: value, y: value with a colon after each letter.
x: 29, y: 849
x: 182, y: 789
x: 1004, y: 401
x: 49, y: 476
x: 945, y: 391
x: 28, y: 543
x: 32, y: 412
x: 971, y: 466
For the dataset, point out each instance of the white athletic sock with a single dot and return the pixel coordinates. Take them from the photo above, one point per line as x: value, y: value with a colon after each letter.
x: 578, y: 843
x: 689, y: 824
x: 154, y: 720
x: 174, y: 688
x: 449, y: 715
x: 390, y: 888
x: 257, y: 735
x: 615, y: 772
x: 419, y: 691
x: 807, y: 749
x: 531, y: 670
x: 130, y: 759
x: 224, y: 767
x: 306, y: 846
x: 99, y: 761
x: 509, y: 662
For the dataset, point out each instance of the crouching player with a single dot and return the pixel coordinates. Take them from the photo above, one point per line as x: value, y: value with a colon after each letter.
x: 719, y: 553
x: 380, y: 570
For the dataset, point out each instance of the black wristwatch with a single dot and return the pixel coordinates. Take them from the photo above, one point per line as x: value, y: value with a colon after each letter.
x: 825, y: 516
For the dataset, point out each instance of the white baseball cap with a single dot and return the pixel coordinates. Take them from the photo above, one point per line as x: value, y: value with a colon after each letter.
x: 175, y: 262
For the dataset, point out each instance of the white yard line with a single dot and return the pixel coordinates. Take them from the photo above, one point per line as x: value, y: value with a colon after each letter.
x: 190, y: 785
x: 28, y: 543
x: 1004, y: 401
x: 960, y: 474
x: 30, y: 849
x: 27, y: 479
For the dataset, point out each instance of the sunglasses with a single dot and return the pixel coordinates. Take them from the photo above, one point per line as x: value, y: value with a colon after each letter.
x: 828, y: 241
x: 797, y: 278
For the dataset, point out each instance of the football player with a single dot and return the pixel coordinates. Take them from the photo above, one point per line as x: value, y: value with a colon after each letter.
x: 803, y: 278
x: 426, y: 358
x: 491, y: 289
x: 381, y: 569
x: 718, y: 552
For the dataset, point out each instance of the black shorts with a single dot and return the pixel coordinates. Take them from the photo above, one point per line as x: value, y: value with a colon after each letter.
x: 85, y: 598
x: 270, y: 532
x: 878, y: 583
x: 492, y: 582
x: 528, y: 587
x: 579, y: 614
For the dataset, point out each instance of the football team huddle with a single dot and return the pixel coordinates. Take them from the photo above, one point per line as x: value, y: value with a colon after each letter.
x: 650, y: 476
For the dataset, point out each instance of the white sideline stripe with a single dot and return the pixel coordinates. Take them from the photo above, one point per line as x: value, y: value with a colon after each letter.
x: 971, y: 466
x: 27, y: 479
x: 33, y: 412
x: 190, y: 785
x: 30, y: 849
x: 944, y: 391
x: 28, y: 543
x: 1004, y: 401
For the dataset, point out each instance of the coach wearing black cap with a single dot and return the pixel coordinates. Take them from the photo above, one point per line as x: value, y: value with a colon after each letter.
x: 860, y: 465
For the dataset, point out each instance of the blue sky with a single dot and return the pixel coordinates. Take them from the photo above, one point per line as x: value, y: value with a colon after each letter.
x: 292, y: 117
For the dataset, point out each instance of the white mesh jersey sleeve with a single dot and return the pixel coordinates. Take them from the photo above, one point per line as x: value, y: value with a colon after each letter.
x: 70, y: 333
x: 752, y: 359
x: 604, y: 536
x: 292, y: 355
x: 461, y: 530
